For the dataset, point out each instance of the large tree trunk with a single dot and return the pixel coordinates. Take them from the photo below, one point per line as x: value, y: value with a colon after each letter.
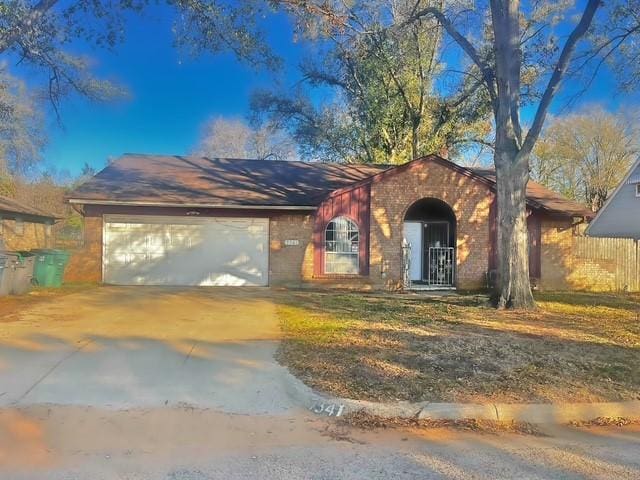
x: 512, y: 147
x: 514, y: 288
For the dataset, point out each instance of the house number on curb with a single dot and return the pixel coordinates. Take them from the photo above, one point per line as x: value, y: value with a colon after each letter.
x: 330, y: 409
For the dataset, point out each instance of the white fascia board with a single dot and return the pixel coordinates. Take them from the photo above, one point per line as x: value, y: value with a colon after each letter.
x: 80, y: 201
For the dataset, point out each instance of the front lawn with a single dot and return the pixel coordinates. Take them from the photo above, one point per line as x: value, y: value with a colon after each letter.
x: 576, y: 347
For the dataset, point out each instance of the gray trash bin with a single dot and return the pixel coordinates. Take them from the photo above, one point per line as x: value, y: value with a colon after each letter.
x: 23, y: 273
x: 7, y: 267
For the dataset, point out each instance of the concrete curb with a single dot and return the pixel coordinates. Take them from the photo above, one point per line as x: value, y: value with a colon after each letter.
x: 557, y: 413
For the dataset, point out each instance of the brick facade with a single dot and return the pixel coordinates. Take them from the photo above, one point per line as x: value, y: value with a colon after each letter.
x: 85, y: 264
x: 470, y: 201
x: 290, y: 264
x: 563, y: 266
x: 31, y: 235
x: 295, y: 245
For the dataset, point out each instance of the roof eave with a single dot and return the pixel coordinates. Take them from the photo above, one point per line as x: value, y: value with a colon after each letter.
x: 15, y: 213
x: 84, y: 201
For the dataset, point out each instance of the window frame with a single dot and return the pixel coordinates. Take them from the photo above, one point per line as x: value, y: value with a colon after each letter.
x: 637, y: 189
x: 352, y: 251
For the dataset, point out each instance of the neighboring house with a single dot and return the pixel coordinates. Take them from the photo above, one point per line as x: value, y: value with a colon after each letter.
x: 23, y: 227
x: 620, y: 215
x: 172, y: 220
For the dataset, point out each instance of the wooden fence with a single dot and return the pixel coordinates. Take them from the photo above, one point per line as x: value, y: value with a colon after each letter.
x: 608, y: 263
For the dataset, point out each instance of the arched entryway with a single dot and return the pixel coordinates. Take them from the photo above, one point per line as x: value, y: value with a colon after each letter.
x: 429, y: 244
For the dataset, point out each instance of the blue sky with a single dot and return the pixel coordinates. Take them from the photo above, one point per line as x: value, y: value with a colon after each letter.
x: 172, y: 95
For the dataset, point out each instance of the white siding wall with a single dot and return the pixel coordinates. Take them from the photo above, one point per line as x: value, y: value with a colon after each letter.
x: 620, y: 217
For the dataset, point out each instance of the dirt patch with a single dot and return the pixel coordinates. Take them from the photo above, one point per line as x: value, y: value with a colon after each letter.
x: 12, y: 305
x: 574, y: 348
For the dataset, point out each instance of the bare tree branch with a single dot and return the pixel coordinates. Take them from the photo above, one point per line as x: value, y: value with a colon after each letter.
x: 554, y: 82
x: 465, y: 44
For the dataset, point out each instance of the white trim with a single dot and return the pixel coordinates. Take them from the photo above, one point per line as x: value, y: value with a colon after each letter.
x: 429, y: 288
x: 104, y: 245
x: 268, y: 252
x: 190, y: 205
x: 615, y: 192
x: 350, y: 252
x: 166, y: 219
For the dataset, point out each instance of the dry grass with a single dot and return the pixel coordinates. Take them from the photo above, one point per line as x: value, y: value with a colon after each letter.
x: 606, y: 422
x: 366, y: 421
x: 575, y: 347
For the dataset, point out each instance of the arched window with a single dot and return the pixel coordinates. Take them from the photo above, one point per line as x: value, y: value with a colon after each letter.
x: 341, y: 247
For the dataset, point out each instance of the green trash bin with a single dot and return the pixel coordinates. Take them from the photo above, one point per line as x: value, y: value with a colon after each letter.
x: 61, y: 260
x: 49, y: 267
x: 23, y: 272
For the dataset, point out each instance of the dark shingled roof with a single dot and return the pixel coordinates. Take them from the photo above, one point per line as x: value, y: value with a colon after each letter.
x: 540, y: 196
x: 183, y: 180
x: 204, y: 181
x: 13, y: 207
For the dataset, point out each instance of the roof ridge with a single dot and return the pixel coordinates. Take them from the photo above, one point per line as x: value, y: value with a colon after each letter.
x: 304, y: 162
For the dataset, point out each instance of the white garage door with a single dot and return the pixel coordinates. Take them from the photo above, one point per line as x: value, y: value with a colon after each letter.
x: 145, y: 250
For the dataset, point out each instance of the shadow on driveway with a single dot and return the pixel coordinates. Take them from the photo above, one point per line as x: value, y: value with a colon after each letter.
x: 126, y: 347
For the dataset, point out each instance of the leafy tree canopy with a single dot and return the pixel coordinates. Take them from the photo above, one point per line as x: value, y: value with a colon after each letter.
x: 395, y: 97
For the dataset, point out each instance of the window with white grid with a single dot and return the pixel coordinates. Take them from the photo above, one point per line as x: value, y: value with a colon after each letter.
x: 341, y: 247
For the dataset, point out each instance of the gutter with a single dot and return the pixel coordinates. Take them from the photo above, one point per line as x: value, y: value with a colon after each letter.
x: 79, y: 201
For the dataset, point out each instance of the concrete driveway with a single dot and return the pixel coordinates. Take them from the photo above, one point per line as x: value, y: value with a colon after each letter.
x: 127, y: 347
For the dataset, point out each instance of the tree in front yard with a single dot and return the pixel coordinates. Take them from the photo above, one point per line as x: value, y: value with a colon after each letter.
x: 523, y: 52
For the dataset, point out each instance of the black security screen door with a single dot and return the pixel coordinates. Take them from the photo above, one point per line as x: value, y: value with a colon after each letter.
x: 438, y: 261
x: 435, y: 251
x: 436, y: 234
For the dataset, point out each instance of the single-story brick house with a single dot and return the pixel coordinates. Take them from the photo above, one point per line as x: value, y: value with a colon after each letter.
x: 175, y: 220
x: 23, y: 227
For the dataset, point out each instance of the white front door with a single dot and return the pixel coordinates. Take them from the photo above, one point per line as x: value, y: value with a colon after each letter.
x: 413, y: 236
x: 150, y: 250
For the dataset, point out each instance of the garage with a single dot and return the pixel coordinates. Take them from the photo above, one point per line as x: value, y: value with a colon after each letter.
x: 198, y: 251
